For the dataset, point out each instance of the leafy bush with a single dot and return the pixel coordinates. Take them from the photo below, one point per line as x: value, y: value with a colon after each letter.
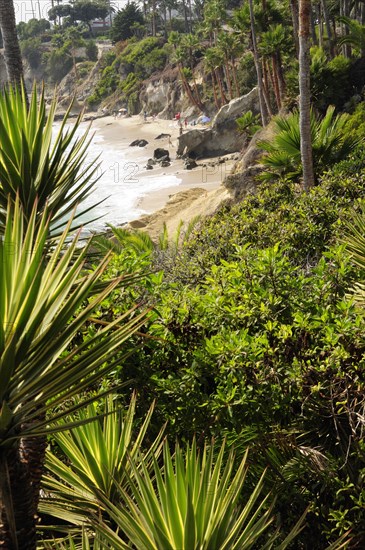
x: 253, y: 338
x: 59, y: 63
x: 91, y: 50
x: 330, y: 80
x: 31, y: 51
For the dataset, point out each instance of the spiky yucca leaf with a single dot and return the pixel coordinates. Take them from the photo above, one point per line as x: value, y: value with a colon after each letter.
x: 35, y: 165
x: 40, y: 313
x: 95, y: 461
x: 192, y: 503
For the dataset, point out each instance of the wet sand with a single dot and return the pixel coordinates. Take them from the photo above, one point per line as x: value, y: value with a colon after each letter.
x: 199, y: 192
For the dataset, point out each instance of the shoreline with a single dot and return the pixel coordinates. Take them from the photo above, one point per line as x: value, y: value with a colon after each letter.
x: 198, y: 192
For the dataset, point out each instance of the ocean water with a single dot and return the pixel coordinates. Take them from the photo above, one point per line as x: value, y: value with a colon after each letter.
x: 120, y: 182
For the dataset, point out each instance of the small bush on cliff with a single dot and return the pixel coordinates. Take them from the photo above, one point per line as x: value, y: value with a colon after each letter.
x: 136, y: 59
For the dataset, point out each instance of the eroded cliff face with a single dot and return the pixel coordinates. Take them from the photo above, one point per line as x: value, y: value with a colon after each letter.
x: 222, y: 137
x: 162, y: 95
x: 243, y: 178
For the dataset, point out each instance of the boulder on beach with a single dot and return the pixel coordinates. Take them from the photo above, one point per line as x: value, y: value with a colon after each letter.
x: 190, y: 164
x: 139, y: 143
x: 161, y: 154
x: 162, y: 136
x: 222, y: 137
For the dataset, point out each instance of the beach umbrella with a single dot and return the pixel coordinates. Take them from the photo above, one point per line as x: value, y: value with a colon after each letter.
x: 204, y: 119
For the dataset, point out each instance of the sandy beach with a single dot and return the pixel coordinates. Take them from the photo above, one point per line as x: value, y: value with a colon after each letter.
x: 199, y: 191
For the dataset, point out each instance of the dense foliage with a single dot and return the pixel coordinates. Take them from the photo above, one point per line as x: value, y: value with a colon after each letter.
x: 255, y: 338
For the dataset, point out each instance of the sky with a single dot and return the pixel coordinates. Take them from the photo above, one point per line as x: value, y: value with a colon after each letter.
x: 27, y: 9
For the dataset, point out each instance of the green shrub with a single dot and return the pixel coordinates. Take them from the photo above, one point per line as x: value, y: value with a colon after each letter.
x: 31, y: 51
x: 91, y: 50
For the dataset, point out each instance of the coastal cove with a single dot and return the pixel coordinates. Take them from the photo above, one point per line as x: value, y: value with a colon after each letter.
x: 147, y: 198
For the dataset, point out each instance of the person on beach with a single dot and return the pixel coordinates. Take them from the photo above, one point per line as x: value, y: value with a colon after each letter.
x: 186, y: 122
x: 145, y: 115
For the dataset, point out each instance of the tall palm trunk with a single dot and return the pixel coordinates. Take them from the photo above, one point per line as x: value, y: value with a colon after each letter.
x: 263, y: 109
x: 304, y: 90
x: 228, y: 78
x: 295, y: 20
x: 13, y: 58
x: 220, y: 86
x: 235, y: 80
x: 320, y: 24
x: 280, y: 72
x: 266, y: 87
x: 275, y: 80
x: 188, y: 91
x: 328, y: 28
x: 216, y: 100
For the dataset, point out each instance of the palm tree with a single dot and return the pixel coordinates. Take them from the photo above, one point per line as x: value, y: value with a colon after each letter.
x: 305, y: 9
x: 263, y: 103
x: 355, y: 36
x: 185, y: 74
x: 272, y: 44
x: 214, y: 16
x: 330, y: 140
x: 13, y: 58
x: 191, y: 43
x: 97, y: 458
x: 225, y: 46
x: 209, y: 62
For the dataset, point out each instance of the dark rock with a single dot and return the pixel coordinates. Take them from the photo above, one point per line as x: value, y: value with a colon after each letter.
x: 138, y: 143
x: 162, y: 159
x: 159, y: 154
x: 165, y: 163
x: 149, y: 167
x: 190, y: 164
x: 151, y: 162
x: 162, y: 136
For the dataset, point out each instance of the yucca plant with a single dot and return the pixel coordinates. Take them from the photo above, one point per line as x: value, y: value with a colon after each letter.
x: 96, y: 460
x: 331, y: 143
x: 192, y: 503
x: 42, y: 307
x: 37, y: 166
x: 72, y: 543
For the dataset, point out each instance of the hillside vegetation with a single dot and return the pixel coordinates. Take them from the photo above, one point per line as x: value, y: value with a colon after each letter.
x: 205, y: 391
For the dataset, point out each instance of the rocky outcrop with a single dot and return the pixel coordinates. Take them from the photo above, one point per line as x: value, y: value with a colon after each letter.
x: 243, y: 178
x: 222, y: 137
x: 139, y: 143
x: 162, y: 95
x: 161, y: 154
